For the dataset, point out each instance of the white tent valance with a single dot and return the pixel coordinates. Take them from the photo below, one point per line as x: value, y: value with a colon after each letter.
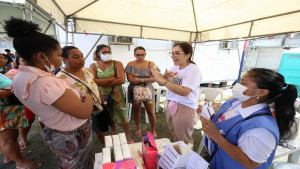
x: 178, y: 20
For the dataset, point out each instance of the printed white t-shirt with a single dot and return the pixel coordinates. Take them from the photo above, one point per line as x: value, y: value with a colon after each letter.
x: 189, y: 77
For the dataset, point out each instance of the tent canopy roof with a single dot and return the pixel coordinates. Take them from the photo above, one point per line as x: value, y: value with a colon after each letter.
x: 9, y: 10
x: 179, y: 20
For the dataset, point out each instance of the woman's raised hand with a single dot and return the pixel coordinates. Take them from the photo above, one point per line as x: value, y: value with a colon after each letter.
x: 169, y: 74
x: 209, y: 128
x: 159, y: 78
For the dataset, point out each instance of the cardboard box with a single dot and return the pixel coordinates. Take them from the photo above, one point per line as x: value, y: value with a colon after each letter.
x: 126, y: 151
x: 118, y: 153
x: 116, y: 140
x: 149, y: 151
x: 123, y: 139
x: 106, y: 155
x: 108, y: 141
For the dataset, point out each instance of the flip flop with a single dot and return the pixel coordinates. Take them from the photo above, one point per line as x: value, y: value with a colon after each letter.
x: 138, y: 132
x: 154, y: 136
x: 130, y: 142
x: 33, y: 166
x: 8, y: 160
x: 24, y: 153
x: 23, y: 146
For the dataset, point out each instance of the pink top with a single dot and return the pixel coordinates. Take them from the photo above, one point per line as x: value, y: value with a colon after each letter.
x: 38, y: 90
x: 12, y: 73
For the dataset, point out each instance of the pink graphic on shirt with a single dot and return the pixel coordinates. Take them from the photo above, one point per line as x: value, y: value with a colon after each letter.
x: 221, y: 118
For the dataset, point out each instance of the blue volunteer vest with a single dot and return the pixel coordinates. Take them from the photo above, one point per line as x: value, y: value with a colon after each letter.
x: 223, y: 161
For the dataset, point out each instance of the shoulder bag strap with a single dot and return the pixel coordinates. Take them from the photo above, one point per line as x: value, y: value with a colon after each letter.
x: 92, y: 93
x: 115, y: 68
x: 249, y: 117
x: 149, y: 68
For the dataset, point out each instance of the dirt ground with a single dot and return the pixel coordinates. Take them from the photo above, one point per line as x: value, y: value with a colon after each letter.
x: 41, y: 153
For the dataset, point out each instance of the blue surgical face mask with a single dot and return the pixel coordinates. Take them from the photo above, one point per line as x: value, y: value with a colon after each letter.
x: 49, y: 69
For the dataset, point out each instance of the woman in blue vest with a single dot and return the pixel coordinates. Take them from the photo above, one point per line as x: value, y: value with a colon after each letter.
x: 243, y: 133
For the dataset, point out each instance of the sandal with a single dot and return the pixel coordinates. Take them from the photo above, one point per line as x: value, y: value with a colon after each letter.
x: 130, y: 142
x: 24, y: 153
x: 23, y: 145
x: 33, y: 166
x: 154, y: 136
x: 138, y: 132
x: 8, y: 160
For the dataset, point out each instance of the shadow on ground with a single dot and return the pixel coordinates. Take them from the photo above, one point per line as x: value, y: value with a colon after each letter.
x: 41, y: 153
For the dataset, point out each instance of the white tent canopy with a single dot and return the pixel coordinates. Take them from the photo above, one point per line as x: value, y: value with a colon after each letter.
x: 178, y: 20
x: 8, y: 9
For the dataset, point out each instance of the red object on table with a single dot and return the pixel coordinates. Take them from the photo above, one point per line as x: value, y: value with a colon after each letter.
x: 127, y: 164
x: 149, y: 151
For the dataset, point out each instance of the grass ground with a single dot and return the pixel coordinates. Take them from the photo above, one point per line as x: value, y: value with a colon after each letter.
x: 41, y: 153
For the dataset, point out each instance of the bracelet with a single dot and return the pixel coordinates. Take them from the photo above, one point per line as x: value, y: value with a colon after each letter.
x: 222, y: 142
x: 165, y: 83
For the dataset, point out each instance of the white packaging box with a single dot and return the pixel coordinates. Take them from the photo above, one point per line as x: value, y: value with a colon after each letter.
x: 116, y: 140
x: 108, y: 141
x: 118, y: 153
x: 106, y: 155
x: 98, y: 161
x: 126, y: 151
x: 123, y: 139
x: 171, y: 159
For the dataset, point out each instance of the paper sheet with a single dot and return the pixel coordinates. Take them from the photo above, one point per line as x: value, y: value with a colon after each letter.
x: 190, y: 161
x: 207, y: 110
x: 168, y: 158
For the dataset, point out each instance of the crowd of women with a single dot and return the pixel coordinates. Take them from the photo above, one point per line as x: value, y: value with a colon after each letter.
x: 77, y: 100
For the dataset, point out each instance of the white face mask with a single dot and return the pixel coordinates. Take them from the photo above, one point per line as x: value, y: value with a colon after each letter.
x: 238, y: 90
x: 106, y: 57
x: 49, y: 69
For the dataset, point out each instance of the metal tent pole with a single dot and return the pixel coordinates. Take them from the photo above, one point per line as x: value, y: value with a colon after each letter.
x: 67, y: 25
x: 72, y: 29
x: 93, y: 46
x: 242, y: 61
x: 31, y: 14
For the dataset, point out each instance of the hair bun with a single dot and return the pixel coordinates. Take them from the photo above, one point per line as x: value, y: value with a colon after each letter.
x: 18, y: 27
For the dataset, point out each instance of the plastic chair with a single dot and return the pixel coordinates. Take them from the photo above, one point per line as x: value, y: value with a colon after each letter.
x: 162, y: 99
x: 129, y: 110
x: 198, y: 126
x: 211, y: 94
x: 284, y: 165
x: 129, y: 105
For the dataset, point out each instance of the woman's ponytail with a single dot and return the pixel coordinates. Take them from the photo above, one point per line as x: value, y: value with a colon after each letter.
x: 285, y: 111
x: 283, y: 96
